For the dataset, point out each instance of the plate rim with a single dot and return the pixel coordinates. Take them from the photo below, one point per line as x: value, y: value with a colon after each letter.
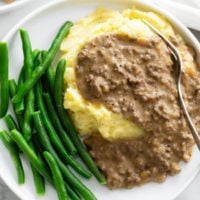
x: 8, y: 7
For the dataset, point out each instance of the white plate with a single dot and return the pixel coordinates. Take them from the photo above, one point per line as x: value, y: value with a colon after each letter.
x: 42, y: 26
x: 4, y: 7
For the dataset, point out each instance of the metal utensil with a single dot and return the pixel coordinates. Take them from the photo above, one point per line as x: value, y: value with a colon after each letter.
x: 175, y: 53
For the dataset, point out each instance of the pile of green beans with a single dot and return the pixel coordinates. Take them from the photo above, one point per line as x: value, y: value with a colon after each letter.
x: 43, y: 131
x: 68, y: 125
x: 39, y: 71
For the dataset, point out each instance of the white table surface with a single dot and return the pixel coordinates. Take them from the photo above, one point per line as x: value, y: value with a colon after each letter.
x: 7, y: 21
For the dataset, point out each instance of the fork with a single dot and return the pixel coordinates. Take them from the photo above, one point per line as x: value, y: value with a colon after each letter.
x: 177, y: 57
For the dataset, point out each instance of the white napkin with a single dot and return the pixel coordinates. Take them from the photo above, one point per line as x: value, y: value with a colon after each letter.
x: 187, y: 11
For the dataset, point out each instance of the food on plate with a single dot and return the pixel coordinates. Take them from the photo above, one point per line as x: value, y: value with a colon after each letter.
x: 120, y: 91
x: 14, y: 154
x: 4, y: 96
x: 35, y: 133
x: 117, y: 81
x: 57, y: 176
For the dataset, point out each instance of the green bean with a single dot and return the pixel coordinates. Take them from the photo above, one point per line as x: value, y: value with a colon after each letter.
x: 19, y: 107
x: 12, y: 87
x: 36, y: 162
x: 30, y: 60
x: 39, y: 182
x: 27, y: 122
x: 37, y: 144
x: 27, y: 51
x: 57, y: 176
x: 39, y: 70
x: 82, y: 151
x: 30, y: 98
x: 9, y: 143
x: 72, y: 194
x: 68, y: 175
x: 38, y: 179
x: 4, y: 87
x: 49, y: 74
x: 58, y: 84
x: 29, y: 152
x: 36, y: 54
x: 10, y: 122
x: 28, y: 65
x: 12, y: 91
x: 57, y: 124
x: 68, y: 125
x: 54, y: 137
x: 27, y: 68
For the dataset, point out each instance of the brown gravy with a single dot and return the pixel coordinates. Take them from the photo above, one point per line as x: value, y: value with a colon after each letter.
x: 137, y: 79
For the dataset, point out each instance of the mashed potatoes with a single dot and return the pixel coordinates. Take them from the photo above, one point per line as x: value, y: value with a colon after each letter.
x: 89, y: 118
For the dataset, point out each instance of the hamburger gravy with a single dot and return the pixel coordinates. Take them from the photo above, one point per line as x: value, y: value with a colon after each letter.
x: 136, y: 78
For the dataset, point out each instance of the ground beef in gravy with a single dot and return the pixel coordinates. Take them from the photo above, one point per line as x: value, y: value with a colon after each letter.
x: 136, y: 78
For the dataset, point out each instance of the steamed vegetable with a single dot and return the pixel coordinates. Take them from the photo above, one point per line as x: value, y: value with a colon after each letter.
x: 57, y: 176
x: 39, y: 133
x: 30, y: 153
x: 10, y: 144
x: 67, y: 174
x: 65, y: 119
x: 39, y: 71
x: 4, y: 87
